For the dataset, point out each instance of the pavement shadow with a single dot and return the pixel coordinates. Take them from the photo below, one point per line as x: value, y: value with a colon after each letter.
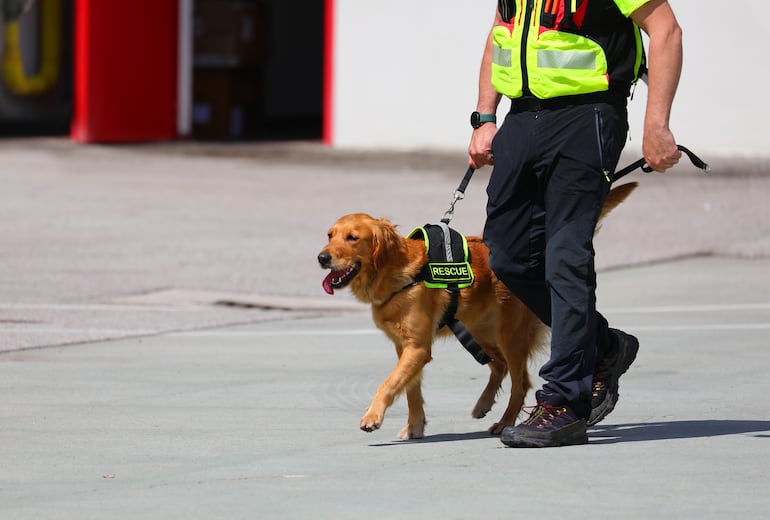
x: 631, y: 432
x: 440, y: 437
x: 655, y: 431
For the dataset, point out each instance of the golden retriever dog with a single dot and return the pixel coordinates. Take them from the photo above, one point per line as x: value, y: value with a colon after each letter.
x: 367, y: 255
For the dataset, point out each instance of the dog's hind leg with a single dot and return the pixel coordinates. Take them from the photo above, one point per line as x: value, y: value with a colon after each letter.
x: 497, y: 371
x: 520, y: 385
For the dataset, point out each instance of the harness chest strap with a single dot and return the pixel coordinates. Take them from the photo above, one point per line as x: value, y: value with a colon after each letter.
x: 462, y: 334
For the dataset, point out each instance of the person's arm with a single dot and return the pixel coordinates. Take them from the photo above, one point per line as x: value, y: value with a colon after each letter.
x: 480, y: 148
x: 664, y: 68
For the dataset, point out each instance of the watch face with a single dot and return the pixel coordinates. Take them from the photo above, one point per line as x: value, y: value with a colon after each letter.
x: 475, y: 119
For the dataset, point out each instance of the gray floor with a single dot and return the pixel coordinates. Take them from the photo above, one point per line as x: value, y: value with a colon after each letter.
x: 169, y: 352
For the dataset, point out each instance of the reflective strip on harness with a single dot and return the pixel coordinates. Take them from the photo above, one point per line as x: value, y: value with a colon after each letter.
x: 448, y: 255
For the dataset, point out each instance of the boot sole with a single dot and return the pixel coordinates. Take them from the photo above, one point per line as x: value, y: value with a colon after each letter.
x: 571, y: 435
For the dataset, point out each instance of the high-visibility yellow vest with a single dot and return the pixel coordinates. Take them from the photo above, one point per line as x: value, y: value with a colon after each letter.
x: 552, y: 48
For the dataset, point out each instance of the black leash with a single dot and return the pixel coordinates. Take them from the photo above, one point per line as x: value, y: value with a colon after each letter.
x: 641, y: 163
x: 459, y: 195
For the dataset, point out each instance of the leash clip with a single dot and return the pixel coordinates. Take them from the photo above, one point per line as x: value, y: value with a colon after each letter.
x: 459, y: 195
x: 450, y: 213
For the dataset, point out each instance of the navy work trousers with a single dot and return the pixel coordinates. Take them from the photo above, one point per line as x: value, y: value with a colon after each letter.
x: 549, y: 182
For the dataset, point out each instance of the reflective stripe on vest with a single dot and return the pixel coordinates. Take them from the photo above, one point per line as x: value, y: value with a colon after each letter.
x: 566, y: 59
x: 501, y: 57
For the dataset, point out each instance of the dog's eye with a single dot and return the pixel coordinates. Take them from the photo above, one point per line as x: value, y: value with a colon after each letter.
x: 351, y: 237
x: 329, y: 236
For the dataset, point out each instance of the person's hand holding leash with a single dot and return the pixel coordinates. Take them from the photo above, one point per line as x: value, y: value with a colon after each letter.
x: 659, y: 149
x: 480, y: 149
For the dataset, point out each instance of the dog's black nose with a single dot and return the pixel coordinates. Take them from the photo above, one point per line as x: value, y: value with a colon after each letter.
x: 324, y: 259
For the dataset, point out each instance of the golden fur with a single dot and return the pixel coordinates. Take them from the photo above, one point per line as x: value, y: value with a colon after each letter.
x: 369, y: 256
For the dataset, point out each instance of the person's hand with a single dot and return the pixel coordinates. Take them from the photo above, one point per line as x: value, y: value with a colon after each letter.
x: 480, y: 149
x: 659, y: 149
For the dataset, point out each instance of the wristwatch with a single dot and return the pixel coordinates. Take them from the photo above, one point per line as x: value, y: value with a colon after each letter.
x: 479, y: 119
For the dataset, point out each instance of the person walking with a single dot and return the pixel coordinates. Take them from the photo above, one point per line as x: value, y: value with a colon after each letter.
x: 567, y: 67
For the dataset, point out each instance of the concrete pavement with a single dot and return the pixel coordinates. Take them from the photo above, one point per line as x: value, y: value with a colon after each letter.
x: 169, y: 352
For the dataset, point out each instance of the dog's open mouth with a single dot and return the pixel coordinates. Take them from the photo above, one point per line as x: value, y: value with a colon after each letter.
x: 339, y: 279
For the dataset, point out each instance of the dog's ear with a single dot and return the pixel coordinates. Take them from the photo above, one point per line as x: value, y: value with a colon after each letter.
x: 386, y: 243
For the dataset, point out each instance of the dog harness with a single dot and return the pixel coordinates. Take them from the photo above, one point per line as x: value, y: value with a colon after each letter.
x: 449, y: 267
x: 448, y: 257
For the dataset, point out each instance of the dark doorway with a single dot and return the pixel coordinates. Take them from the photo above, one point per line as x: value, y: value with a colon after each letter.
x: 258, y: 69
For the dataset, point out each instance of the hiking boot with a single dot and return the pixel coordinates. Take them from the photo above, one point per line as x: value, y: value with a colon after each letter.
x: 549, y: 425
x: 604, y: 396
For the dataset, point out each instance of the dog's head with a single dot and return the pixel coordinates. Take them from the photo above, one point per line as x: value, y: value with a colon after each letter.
x: 359, y: 245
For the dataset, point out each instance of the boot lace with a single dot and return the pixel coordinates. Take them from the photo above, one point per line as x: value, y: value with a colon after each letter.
x: 602, y: 374
x: 543, y: 415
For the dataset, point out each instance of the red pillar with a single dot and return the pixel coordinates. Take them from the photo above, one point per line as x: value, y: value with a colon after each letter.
x: 125, y: 70
x: 328, y: 73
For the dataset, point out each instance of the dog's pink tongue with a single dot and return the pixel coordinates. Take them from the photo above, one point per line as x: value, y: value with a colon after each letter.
x: 327, y: 283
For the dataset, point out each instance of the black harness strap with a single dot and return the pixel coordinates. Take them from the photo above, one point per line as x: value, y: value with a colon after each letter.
x: 465, y: 338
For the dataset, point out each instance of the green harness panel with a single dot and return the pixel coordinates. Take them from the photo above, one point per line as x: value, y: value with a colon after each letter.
x: 449, y: 263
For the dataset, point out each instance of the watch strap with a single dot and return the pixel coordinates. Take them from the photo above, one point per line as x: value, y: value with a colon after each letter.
x: 478, y: 119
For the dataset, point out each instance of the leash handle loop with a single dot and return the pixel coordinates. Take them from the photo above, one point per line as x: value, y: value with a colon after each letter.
x: 694, y: 159
x: 641, y: 163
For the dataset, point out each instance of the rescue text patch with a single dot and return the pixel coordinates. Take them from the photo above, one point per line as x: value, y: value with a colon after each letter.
x: 448, y: 257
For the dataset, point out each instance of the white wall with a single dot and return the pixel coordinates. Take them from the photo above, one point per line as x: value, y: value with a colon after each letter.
x: 406, y: 75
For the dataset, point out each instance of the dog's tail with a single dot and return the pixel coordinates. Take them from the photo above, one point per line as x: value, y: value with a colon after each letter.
x: 615, y: 198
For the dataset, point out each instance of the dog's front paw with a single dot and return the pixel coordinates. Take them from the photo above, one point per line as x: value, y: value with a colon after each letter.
x: 413, y: 431
x: 370, y: 422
